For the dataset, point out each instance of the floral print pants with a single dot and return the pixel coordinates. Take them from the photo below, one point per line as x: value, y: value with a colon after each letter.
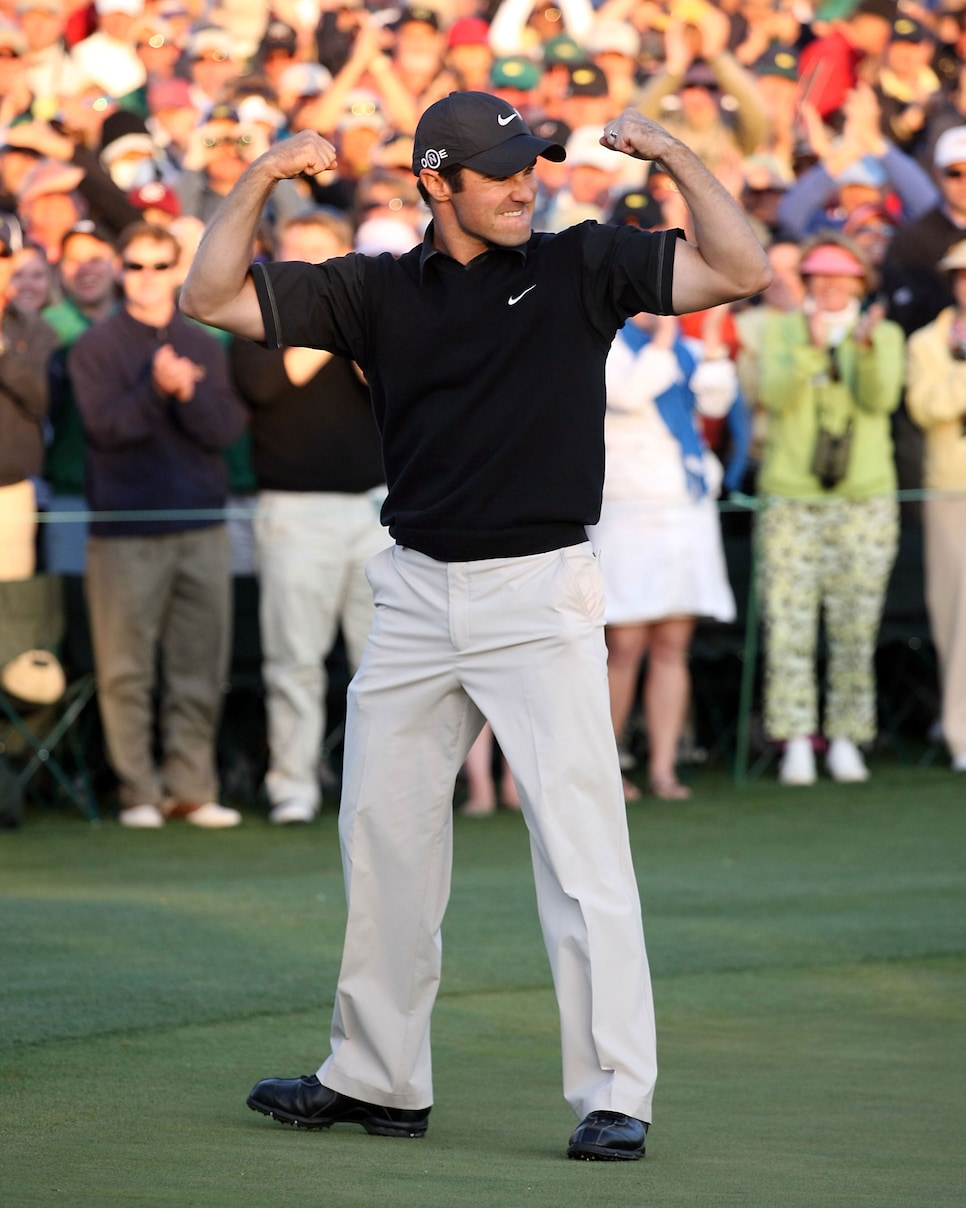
x: 835, y: 556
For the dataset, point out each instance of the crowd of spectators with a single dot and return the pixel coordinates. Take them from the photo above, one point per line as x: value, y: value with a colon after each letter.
x: 844, y: 116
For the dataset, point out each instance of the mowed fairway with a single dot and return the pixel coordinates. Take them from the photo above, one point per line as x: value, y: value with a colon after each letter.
x: 808, y: 949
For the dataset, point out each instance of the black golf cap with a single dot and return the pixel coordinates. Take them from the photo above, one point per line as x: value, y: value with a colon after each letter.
x: 478, y: 131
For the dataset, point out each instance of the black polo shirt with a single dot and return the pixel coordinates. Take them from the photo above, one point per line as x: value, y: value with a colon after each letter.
x: 487, y: 379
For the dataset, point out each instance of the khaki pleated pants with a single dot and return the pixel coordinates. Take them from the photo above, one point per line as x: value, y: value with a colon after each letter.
x: 517, y: 641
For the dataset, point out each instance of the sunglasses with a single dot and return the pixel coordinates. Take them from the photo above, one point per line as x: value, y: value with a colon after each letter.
x: 132, y: 266
x: 954, y: 173
x: 243, y: 140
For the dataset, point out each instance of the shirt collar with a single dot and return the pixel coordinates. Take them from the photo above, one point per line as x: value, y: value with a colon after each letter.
x: 428, y: 250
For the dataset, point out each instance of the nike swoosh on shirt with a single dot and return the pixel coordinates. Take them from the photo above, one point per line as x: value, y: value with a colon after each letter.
x: 514, y: 301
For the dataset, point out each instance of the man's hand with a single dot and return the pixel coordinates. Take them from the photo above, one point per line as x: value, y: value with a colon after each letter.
x: 636, y: 135
x: 305, y: 153
x: 175, y: 375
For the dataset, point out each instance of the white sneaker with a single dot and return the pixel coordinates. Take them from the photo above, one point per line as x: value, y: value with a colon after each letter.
x: 959, y: 762
x: 213, y: 816
x: 292, y: 811
x: 845, y: 763
x: 798, y: 762
x: 142, y: 817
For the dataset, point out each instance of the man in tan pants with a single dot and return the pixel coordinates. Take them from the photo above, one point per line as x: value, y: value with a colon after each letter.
x: 487, y: 387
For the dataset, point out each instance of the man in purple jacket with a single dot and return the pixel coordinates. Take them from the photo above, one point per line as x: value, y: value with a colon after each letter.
x: 157, y: 408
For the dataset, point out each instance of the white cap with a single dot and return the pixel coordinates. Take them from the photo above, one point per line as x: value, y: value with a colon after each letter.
x: 584, y: 150
x: 377, y: 235
x: 133, y: 8
x: 304, y: 79
x: 950, y: 147
x: 256, y: 109
x: 618, y: 36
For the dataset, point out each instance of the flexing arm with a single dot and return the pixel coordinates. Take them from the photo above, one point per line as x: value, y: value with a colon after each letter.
x: 726, y: 262
x: 218, y: 289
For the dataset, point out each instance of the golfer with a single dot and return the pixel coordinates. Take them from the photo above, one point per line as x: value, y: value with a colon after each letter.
x: 484, y: 351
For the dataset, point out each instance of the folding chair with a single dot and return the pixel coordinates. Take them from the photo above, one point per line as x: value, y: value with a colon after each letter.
x: 45, y: 738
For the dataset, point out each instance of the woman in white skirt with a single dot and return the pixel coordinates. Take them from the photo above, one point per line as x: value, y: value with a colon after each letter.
x: 659, y: 536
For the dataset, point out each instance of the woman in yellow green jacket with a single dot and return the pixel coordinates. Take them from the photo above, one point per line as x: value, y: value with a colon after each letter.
x: 831, y: 374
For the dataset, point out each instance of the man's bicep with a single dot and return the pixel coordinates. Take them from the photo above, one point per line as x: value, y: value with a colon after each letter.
x: 696, y: 286
x: 241, y: 315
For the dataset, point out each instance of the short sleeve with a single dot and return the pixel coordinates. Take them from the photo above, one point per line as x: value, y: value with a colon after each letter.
x: 627, y: 271
x: 313, y: 305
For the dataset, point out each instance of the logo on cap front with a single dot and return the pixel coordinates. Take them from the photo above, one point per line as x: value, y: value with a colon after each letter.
x: 433, y: 159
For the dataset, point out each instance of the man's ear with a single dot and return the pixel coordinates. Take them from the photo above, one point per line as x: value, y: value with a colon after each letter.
x: 435, y: 185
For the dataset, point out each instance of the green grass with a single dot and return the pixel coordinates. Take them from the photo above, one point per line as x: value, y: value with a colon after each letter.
x: 809, y: 965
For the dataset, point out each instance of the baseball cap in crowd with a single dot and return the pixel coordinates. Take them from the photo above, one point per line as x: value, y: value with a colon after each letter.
x: 420, y: 14
x: 279, y: 35
x: 468, y: 31
x: 563, y: 49
x: 700, y: 75
x: 636, y: 208
x: 156, y: 196
x: 955, y: 257
x: 124, y: 133
x: 515, y: 71
x: 778, y: 60
x: 950, y: 147
x: 866, y: 171
x: 613, y: 37
x: 832, y: 260
x: 256, y: 110
x: 586, y: 79
x: 378, y: 235
x: 478, y: 131
x: 303, y: 80
x: 585, y: 151
x: 211, y: 41
x: 908, y: 29
x: 133, y: 8
x: 763, y: 172
x: 552, y: 129
x: 92, y: 229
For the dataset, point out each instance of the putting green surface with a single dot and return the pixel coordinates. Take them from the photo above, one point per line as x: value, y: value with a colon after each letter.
x: 808, y: 949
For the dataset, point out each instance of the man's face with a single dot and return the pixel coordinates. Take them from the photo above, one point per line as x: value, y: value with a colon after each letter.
x: 148, y: 271
x: 590, y: 184
x: 227, y: 158
x: 870, y: 33
x: 87, y: 270
x: 212, y: 70
x: 418, y: 47
x: 41, y: 28
x: 496, y: 211
x: 117, y: 25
